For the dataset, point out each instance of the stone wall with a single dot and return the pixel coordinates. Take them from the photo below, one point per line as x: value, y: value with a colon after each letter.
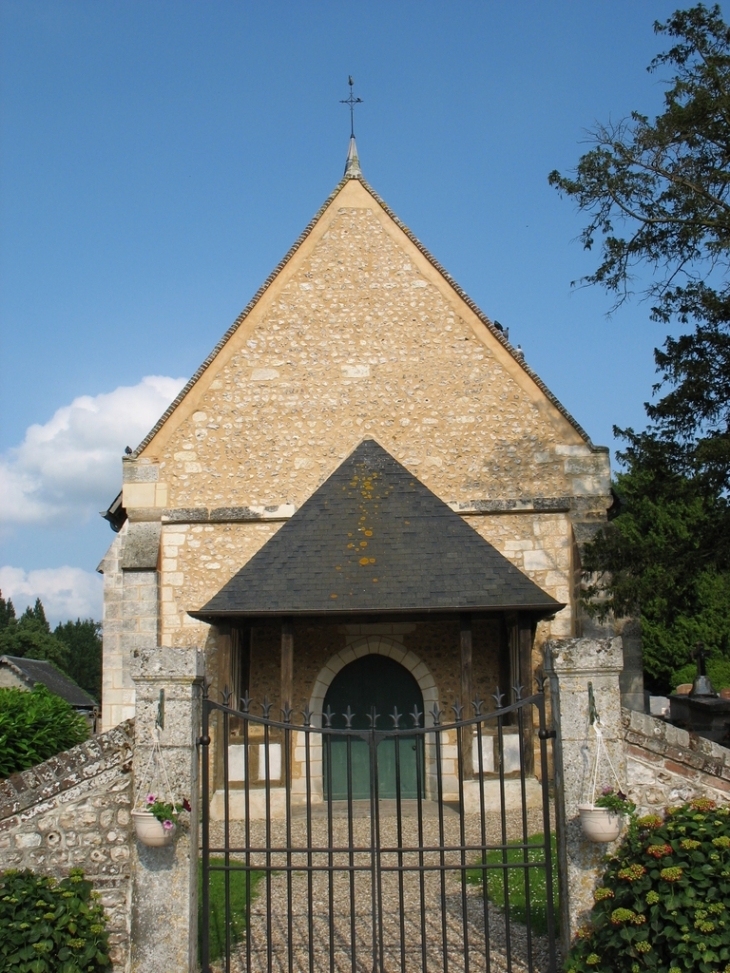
x: 73, y: 811
x: 666, y: 765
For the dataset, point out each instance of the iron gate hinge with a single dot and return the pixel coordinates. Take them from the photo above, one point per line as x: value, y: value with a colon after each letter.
x: 547, y: 734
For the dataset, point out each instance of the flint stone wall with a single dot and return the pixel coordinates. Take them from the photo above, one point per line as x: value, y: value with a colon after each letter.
x: 73, y: 811
x: 666, y: 765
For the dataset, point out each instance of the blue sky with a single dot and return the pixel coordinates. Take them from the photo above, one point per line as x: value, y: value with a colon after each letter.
x: 158, y: 159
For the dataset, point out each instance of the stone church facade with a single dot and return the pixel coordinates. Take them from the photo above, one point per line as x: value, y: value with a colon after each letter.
x: 358, y: 335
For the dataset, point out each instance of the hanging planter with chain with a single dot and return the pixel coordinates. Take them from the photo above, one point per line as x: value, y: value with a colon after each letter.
x: 156, y: 817
x: 602, y: 818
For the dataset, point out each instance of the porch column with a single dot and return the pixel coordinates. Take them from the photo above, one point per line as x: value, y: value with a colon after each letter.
x: 467, y: 690
x: 287, y: 663
x: 525, y: 638
x: 224, y: 656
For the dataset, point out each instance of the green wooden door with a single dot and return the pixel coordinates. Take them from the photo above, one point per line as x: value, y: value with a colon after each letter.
x: 374, y: 681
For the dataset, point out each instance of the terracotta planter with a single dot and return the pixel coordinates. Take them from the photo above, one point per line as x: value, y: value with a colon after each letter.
x: 600, y: 823
x: 150, y: 831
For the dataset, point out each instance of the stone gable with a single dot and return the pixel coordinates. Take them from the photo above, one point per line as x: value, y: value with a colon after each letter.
x: 358, y: 334
x: 361, y: 336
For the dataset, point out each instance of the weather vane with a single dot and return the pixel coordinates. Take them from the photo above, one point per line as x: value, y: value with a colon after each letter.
x: 351, y: 101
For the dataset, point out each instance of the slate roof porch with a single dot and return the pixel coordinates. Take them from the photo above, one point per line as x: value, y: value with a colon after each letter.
x: 374, y: 545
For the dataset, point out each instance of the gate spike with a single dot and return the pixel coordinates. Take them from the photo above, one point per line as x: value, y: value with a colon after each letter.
x: 458, y: 711
x: 395, y: 717
x: 498, y: 698
x: 266, y: 707
x: 477, y: 703
x: 416, y: 715
x: 373, y: 716
x: 245, y: 702
x: 306, y: 715
x: 205, y: 688
x: 327, y: 715
x: 226, y: 693
x: 518, y: 693
x: 286, y: 712
x: 540, y: 679
x: 348, y: 717
x: 436, y: 713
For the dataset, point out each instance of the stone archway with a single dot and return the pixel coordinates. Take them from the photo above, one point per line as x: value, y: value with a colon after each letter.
x: 374, y: 645
x: 367, y: 645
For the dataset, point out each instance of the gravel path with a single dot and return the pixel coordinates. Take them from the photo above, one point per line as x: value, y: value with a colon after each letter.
x: 440, y: 928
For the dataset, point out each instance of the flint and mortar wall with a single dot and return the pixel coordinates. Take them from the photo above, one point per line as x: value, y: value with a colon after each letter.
x: 666, y: 765
x: 73, y: 811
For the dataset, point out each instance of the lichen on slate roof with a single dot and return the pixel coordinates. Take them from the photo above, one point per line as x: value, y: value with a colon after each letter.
x: 373, y: 538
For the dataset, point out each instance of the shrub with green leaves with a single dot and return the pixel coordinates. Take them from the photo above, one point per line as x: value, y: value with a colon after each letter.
x: 664, y: 901
x: 49, y: 926
x: 34, y: 726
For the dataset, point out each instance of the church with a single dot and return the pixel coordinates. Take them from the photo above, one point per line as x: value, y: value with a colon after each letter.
x: 363, y: 497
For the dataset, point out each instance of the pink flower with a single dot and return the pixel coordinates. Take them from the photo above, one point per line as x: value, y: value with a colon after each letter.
x: 168, y: 825
x: 150, y: 798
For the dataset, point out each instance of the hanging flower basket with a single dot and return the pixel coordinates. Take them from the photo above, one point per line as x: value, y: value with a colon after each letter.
x: 156, y: 819
x: 152, y: 832
x: 603, y: 818
x: 600, y: 823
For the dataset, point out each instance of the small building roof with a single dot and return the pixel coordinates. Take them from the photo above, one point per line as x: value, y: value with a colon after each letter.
x: 371, y: 539
x: 34, y: 671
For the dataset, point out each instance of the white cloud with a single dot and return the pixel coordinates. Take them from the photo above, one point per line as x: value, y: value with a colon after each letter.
x: 65, y: 592
x: 69, y: 468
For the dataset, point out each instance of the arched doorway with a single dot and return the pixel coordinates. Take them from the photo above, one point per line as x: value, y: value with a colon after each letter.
x: 373, y: 682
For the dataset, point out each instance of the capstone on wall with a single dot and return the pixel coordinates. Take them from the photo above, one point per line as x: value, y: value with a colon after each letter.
x: 667, y: 766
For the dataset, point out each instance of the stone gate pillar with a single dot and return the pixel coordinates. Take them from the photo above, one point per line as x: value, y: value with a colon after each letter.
x: 573, y: 664
x: 164, y: 880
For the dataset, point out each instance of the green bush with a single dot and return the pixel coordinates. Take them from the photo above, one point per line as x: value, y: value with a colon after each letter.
x: 34, y: 726
x: 48, y: 926
x: 718, y: 670
x: 664, y: 902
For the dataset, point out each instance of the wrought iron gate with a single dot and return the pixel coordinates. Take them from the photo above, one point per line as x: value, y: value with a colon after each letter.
x: 454, y: 874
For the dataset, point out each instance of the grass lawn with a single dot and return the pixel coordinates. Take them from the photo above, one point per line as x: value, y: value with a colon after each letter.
x: 517, y: 892
x: 217, y: 926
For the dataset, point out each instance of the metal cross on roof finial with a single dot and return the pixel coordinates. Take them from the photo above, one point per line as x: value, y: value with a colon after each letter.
x: 351, y: 101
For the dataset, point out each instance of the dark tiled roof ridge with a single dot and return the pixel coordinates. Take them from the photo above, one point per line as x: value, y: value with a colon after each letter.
x: 499, y: 335
x: 33, y: 670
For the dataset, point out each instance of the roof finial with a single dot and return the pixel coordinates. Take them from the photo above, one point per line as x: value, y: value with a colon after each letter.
x: 352, y: 165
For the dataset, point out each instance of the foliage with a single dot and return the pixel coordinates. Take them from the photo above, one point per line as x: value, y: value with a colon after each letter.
x: 664, y: 900
x: 243, y: 886
x: 657, y: 196
x: 30, y: 635
x: 83, y: 642
x: 615, y: 801
x: 658, y: 193
x: 718, y: 671
x: 658, y: 557
x: 514, y: 878
x: 34, y: 726
x: 165, y: 812
x: 47, y: 926
x: 73, y: 647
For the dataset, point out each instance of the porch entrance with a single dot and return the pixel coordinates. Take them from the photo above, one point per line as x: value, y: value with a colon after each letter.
x: 372, y: 687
